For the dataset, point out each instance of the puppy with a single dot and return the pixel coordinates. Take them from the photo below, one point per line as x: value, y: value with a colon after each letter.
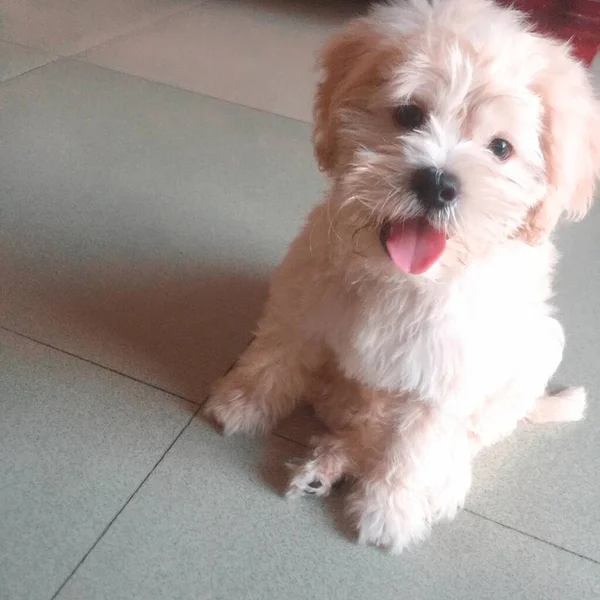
x: 413, y: 309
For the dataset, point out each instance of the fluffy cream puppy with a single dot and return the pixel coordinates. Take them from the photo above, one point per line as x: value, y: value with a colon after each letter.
x: 412, y: 310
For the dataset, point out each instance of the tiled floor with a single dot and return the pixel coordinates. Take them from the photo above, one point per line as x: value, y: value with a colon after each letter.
x: 156, y: 161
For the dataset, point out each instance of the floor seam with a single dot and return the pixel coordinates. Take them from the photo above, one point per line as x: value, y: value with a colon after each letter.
x: 56, y: 59
x: 77, y: 57
x: 133, y: 494
x: 532, y: 536
x: 126, y: 503
x: 198, y: 403
x: 135, y: 30
x: 476, y: 514
x: 27, y: 47
x: 172, y: 86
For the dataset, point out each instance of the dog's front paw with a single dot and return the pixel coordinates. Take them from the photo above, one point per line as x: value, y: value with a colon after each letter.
x: 391, y: 520
x: 234, y: 411
x: 382, y: 528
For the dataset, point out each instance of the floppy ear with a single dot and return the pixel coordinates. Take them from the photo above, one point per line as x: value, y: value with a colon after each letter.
x: 350, y: 64
x: 570, y: 142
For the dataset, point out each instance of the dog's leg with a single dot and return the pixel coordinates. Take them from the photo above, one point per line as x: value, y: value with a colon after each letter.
x: 329, y: 463
x: 525, y: 396
x: 265, y: 383
x: 565, y: 405
x: 421, y: 477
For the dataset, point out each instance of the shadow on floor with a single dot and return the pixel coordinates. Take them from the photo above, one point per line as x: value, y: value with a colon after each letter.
x: 275, y: 473
x: 176, y: 329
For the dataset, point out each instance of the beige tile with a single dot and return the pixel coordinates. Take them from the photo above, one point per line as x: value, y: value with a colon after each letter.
x: 65, y: 27
x: 16, y: 60
x: 75, y: 442
x: 260, y: 54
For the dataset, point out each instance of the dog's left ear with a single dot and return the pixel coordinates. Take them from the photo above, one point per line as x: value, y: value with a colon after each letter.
x: 570, y: 141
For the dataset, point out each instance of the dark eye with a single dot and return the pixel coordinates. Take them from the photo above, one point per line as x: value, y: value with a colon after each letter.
x: 410, y: 116
x: 500, y: 148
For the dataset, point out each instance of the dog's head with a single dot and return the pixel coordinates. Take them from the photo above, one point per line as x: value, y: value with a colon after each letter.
x: 451, y: 127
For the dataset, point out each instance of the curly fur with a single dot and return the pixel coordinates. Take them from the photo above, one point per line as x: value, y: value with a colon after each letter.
x: 414, y: 374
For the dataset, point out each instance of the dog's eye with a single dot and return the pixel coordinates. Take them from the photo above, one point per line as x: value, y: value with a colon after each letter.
x: 500, y: 148
x: 410, y: 116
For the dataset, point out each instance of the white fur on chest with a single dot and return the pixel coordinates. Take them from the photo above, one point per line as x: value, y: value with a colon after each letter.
x: 447, y: 340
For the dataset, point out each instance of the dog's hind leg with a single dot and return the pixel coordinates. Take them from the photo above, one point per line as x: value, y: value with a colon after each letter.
x: 564, y: 406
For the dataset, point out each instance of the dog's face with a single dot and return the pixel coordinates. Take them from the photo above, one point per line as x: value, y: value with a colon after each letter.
x: 451, y: 128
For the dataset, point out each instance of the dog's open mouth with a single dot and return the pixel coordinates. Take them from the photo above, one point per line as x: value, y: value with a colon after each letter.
x: 413, y: 245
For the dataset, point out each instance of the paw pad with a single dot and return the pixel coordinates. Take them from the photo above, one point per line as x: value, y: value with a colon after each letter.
x: 308, y: 481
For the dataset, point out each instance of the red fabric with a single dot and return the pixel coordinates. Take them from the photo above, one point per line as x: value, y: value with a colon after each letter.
x: 574, y: 20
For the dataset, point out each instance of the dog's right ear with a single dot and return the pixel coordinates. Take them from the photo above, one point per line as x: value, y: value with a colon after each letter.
x: 570, y: 140
x: 349, y: 65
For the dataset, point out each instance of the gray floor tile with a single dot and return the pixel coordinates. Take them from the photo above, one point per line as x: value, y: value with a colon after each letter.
x: 75, y: 442
x: 209, y: 525
x: 15, y: 60
x: 139, y: 222
x: 259, y: 53
x: 65, y: 27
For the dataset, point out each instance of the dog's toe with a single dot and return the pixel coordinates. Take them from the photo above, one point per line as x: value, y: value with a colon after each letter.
x: 308, y: 481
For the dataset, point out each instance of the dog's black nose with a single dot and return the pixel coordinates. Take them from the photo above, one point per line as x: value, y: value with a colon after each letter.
x: 435, y: 188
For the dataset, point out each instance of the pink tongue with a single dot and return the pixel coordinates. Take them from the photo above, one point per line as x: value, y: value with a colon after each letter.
x: 414, y: 245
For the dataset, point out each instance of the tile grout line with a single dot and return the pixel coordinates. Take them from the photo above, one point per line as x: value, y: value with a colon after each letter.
x: 125, y: 504
x: 78, y: 58
x: 54, y: 60
x: 196, y: 4
x: 132, y: 495
x: 198, y: 403
x: 279, y: 435
x: 532, y: 536
x: 21, y: 45
x: 134, y: 29
x: 172, y: 86
x: 484, y: 517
